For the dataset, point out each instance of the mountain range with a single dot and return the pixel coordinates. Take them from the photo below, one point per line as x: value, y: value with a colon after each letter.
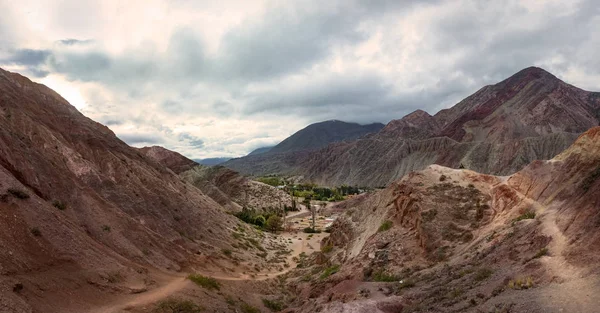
x: 497, y: 130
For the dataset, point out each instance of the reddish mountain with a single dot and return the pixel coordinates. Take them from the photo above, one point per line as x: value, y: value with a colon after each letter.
x: 498, y: 130
x: 84, y: 218
x: 446, y: 240
x: 171, y: 159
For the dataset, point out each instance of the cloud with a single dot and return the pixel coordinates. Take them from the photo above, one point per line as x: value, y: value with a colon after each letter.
x: 137, y: 139
x: 223, y: 79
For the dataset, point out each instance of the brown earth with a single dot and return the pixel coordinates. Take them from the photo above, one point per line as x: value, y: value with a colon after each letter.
x: 460, y: 241
x: 498, y: 130
x: 85, y: 219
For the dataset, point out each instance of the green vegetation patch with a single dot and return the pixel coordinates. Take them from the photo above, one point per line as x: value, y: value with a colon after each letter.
x: 205, y: 282
x: 330, y: 271
x: 177, y: 306
x: 17, y: 193
x: 273, y: 305
x: 525, y: 216
x: 386, y: 225
x: 246, y: 308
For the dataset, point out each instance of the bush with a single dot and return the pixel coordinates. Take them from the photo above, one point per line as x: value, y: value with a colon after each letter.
x: 205, y: 282
x: 177, y: 306
x: 385, y: 226
x: 384, y: 277
x: 59, y: 205
x: 309, y: 230
x: 330, y: 271
x: 259, y: 220
x: 327, y: 248
x: 19, y: 194
x: 273, y: 305
x: 525, y: 216
x: 36, y: 232
x: 483, y: 274
x: 227, y: 252
x: 106, y: 228
x: 521, y: 283
x: 246, y: 308
x: 443, y: 178
x: 274, y: 223
x: 541, y: 253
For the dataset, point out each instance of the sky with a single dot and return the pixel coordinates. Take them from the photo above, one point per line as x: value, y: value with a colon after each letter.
x: 222, y: 78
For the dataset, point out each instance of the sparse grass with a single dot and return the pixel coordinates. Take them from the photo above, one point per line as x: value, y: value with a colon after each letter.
x: 59, y: 205
x: 230, y: 300
x: 205, y: 282
x: 521, y: 283
x: 36, y: 232
x: 330, y: 271
x: 114, y: 277
x: 273, y: 305
x: 327, y: 248
x: 384, y: 277
x: 588, y: 181
x: 246, y: 308
x: 177, y: 306
x: 525, y: 216
x: 17, y: 193
x: 386, y: 225
x: 541, y: 253
x: 483, y: 274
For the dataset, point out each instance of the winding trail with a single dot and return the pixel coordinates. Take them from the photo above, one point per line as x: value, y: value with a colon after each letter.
x: 174, y: 283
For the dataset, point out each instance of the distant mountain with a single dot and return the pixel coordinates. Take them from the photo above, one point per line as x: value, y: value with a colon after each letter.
x: 212, y: 161
x: 321, y: 134
x: 498, y: 130
x: 260, y: 150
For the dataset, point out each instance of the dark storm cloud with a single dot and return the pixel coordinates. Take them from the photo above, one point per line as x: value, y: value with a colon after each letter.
x: 28, y: 57
x: 73, y: 42
x: 191, y: 140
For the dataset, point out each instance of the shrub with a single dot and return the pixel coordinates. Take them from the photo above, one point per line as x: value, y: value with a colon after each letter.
x: 36, y: 232
x: 384, y: 277
x: 541, y: 253
x: 525, y: 216
x: 483, y: 274
x: 227, y: 252
x: 106, y: 228
x: 205, y: 282
x: 385, y: 226
x: 330, y: 271
x: 309, y: 230
x: 259, y: 220
x: 443, y: 178
x: 273, y: 305
x: 246, y: 308
x: 177, y: 306
x: 274, y: 223
x: 59, y: 205
x: 521, y: 283
x: 327, y: 248
x: 17, y: 193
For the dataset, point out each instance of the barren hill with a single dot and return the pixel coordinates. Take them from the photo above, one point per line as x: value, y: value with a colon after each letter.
x: 228, y: 188
x: 86, y: 219
x: 446, y: 240
x: 498, y: 130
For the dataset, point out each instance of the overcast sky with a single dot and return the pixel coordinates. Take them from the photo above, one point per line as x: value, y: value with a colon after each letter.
x: 221, y: 78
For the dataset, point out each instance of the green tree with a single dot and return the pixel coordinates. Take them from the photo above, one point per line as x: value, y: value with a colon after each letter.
x: 274, y: 223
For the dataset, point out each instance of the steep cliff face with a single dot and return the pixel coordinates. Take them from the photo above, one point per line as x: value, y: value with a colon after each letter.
x: 171, y: 159
x: 77, y: 203
x: 501, y: 128
x: 451, y: 240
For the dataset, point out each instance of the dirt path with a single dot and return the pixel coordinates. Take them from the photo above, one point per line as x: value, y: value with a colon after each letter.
x: 172, y: 283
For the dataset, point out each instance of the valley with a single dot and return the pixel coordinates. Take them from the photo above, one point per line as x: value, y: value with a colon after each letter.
x: 487, y: 216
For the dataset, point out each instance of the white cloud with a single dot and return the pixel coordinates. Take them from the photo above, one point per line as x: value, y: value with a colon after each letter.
x: 212, y: 79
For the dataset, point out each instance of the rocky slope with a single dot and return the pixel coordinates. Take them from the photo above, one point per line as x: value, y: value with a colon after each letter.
x: 234, y: 191
x: 84, y: 217
x: 447, y: 240
x: 498, y: 130
x: 228, y: 188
